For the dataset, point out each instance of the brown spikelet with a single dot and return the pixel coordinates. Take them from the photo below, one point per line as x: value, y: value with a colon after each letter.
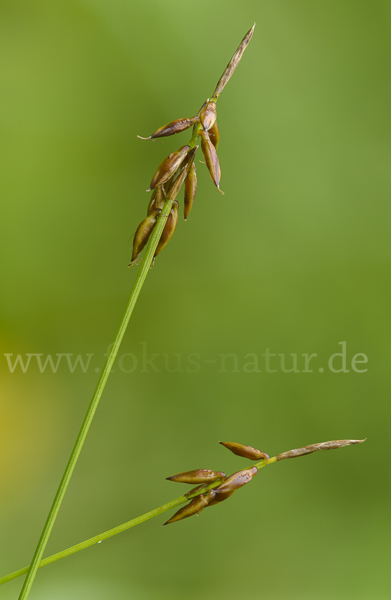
x: 172, y: 128
x: 190, y: 190
x: 214, y: 135
x: 142, y: 234
x: 157, y: 200
x: 211, y: 158
x: 197, y: 476
x: 193, y: 508
x: 233, y: 63
x: 245, y: 451
x: 333, y: 445
x: 237, y: 480
x: 208, y: 115
x: 169, y: 228
x: 168, y: 167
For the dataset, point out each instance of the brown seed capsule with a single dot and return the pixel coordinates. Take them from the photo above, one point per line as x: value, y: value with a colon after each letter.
x: 208, y: 115
x: 190, y: 190
x: 168, y: 167
x: 211, y: 158
x: 194, y: 507
x: 142, y: 234
x: 172, y: 128
x: 157, y: 200
x: 333, y: 445
x: 237, y: 480
x: 245, y: 451
x: 197, y: 476
x: 169, y: 228
x: 214, y: 135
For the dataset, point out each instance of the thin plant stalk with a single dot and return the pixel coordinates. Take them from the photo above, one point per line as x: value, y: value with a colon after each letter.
x: 120, y: 528
x: 297, y: 452
x: 151, y: 247
x: 148, y: 258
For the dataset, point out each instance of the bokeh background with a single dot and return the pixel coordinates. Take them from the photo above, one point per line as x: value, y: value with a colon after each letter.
x: 295, y: 258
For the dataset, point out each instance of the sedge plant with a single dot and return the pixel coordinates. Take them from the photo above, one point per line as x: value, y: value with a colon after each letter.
x: 177, y: 171
x: 154, y: 232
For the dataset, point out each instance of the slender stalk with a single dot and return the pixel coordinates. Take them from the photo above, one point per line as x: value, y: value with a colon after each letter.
x: 120, y: 528
x: 151, y: 247
x: 331, y: 445
x: 150, y: 251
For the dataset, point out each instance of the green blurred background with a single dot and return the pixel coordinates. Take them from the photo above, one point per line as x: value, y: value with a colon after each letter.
x: 295, y: 258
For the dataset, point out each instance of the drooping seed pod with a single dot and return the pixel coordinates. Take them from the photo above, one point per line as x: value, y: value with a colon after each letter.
x: 197, y: 476
x: 168, y: 167
x: 245, y: 451
x: 333, y: 445
x: 169, y: 228
x: 214, y: 135
x: 237, y: 480
x: 142, y: 234
x: 190, y: 189
x: 193, y: 508
x: 157, y: 200
x: 172, y: 128
x: 208, y: 115
x: 211, y: 158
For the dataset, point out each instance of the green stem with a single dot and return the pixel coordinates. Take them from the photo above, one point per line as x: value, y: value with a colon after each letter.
x: 120, y: 528
x: 150, y: 251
